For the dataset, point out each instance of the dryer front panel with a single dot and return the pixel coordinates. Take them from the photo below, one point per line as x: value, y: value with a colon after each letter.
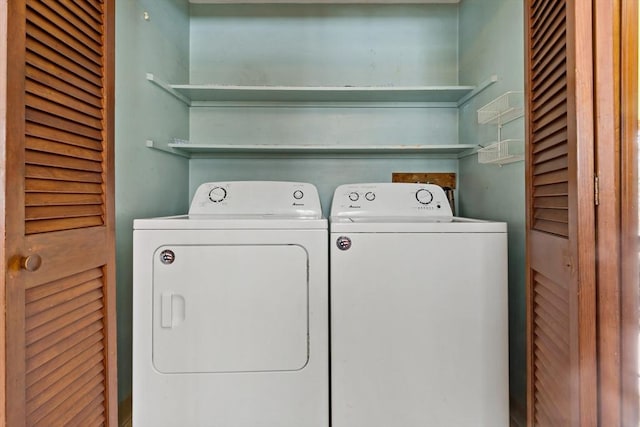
x: 230, y: 308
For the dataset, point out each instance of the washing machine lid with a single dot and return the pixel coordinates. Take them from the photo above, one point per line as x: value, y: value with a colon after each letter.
x: 399, y: 207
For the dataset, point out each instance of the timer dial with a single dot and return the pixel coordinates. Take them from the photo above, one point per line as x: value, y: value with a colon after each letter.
x: 217, y: 194
x: 424, y: 196
x: 370, y: 196
x: 353, y: 196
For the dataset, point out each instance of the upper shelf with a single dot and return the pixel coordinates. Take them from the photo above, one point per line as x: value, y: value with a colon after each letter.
x: 321, y: 94
x: 190, y: 149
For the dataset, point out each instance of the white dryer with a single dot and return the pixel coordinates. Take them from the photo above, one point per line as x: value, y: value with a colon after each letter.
x: 230, y: 310
x: 418, y: 311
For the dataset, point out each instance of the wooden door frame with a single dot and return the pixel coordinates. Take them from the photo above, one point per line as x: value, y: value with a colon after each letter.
x: 629, y: 293
x: 616, y: 111
x: 4, y: 14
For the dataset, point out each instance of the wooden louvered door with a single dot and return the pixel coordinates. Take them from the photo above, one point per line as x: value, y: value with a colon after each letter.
x: 57, y: 195
x: 560, y: 270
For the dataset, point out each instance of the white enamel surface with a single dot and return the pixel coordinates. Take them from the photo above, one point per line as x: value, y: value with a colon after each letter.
x: 235, y: 331
x: 419, y: 323
x: 390, y: 200
x: 256, y: 198
x: 225, y: 318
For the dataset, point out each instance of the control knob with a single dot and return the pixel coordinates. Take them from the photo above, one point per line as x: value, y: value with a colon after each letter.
x: 217, y: 194
x: 424, y: 196
x: 298, y: 194
x: 370, y: 196
x: 353, y: 196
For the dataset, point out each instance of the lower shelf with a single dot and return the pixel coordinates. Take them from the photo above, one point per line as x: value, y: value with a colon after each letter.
x: 187, y: 150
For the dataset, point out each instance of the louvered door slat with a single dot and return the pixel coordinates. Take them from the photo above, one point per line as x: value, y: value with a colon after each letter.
x: 37, y: 61
x: 60, y: 135
x: 41, y: 34
x: 75, y: 35
x: 552, y: 91
x: 54, y: 393
x: 53, y: 106
x: 43, y: 158
x: 561, y: 189
x: 62, y: 337
x: 59, y: 174
x: 551, y: 52
x: 56, y: 123
x: 50, y: 225
x: 35, y: 145
x: 48, y: 199
x: 538, y: 9
x: 89, y: 311
x: 554, y: 164
x: 550, y: 35
x: 556, y: 116
x: 551, y: 178
x: 552, y: 369
x: 73, y: 40
x: 60, y: 285
x: 45, y: 186
x: 551, y: 74
x: 44, y: 44
x: 61, y: 406
x: 45, y: 92
x: 69, y: 90
x: 69, y: 409
x: 62, y: 11
x: 94, y: 353
x: 551, y: 381
x: 58, y: 212
x: 559, y: 138
x: 559, y: 150
x: 67, y: 295
x: 91, y: 415
x: 89, y: 9
x: 51, y: 367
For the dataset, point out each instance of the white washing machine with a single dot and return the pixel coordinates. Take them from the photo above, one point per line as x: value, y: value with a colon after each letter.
x: 230, y: 310
x: 418, y: 311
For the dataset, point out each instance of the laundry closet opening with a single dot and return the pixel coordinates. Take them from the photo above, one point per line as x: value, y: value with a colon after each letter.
x: 328, y: 94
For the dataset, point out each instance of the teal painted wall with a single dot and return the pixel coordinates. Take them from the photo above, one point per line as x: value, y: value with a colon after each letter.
x: 326, y: 173
x: 491, y: 42
x: 312, y: 45
x: 323, y: 45
x: 148, y: 182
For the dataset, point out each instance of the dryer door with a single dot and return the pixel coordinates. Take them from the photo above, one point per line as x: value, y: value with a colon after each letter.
x: 230, y: 308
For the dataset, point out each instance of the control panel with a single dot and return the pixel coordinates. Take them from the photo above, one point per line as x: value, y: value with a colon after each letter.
x: 256, y: 198
x: 390, y: 200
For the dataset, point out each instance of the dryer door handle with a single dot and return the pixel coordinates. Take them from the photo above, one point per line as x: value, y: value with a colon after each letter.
x: 166, y: 310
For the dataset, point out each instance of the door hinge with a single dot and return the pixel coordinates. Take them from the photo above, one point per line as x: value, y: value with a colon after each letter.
x: 596, y: 186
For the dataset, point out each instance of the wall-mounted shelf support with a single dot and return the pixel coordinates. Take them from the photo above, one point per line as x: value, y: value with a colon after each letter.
x: 167, y: 87
x: 176, y: 151
x: 482, y: 86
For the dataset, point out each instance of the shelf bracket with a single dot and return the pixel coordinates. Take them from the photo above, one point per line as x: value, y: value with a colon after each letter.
x: 482, y: 86
x: 175, y: 151
x: 167, y: 87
